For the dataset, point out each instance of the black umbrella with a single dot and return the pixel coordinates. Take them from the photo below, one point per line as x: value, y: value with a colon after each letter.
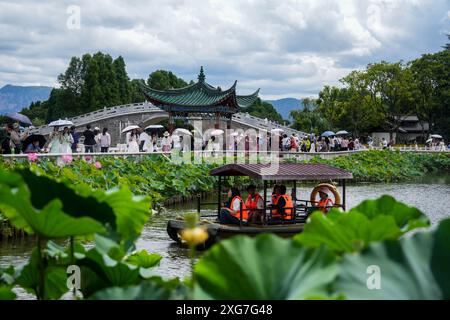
x: 19, y: 117
x: 32, y: 138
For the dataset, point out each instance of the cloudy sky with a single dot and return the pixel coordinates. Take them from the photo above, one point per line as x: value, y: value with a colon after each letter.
x: 285, y: 47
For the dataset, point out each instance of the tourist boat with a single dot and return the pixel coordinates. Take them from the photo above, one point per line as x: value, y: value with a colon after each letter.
x: 286, y: 173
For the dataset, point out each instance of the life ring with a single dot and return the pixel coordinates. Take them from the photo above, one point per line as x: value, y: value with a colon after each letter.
x: 332, y: 188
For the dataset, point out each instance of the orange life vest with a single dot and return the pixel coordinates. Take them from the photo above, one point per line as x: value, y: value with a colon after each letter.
x: 237, y: 213
x: 252, y: 203
x: 323, y: 204
x: 288, y: 204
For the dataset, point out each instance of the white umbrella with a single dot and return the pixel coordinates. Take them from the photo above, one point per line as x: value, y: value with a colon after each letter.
x: 234, y: 134
x: 341, y: 133
x: 277, y: 130
x: 60, y: 123
x: 436, y: 136
x: 182, y: 131
x: 217, y: 132
x: 154, y: 126
x: 129, y: 128
x: 429, y: 140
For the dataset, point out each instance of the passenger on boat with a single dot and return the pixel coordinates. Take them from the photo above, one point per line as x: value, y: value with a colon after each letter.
x: 275, y: 193
x: 254, y: 204
x: 231, y: 212
x: 325, y: 201
x: 283, y: 206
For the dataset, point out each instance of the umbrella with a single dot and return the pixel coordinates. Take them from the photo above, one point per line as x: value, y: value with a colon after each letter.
x: 436, y: 136
x: 341, y: 133
x: 429, y: 140
x: 32, y: 138
x: 328, y: 134
x: 217, y: 132
x: 60, y: 123
x: 234, y: 134
x: 129, y: 128
x: 154, y: 126
x: 182, y: 131
x: 19, y: 117
x: 277, y: 130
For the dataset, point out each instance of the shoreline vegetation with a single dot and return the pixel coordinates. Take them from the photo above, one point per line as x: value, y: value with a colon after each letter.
x: 167, y: 183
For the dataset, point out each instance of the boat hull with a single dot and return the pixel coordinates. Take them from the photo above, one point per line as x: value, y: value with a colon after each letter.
x: 217, y: 232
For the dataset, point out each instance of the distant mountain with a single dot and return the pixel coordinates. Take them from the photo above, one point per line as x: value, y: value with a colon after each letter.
x: 285, y: 105
x: 15, y: 98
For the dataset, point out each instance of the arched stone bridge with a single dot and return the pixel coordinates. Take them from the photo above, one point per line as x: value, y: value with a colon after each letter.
x: 144, y: 114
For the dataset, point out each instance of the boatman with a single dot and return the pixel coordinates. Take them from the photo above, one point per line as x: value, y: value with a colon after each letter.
x: 231, y: 212
x: 283, y: 206
x: 254, y: 204
x: 325, y: 202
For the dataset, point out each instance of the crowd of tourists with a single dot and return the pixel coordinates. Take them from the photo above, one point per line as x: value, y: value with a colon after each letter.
x: 312, y: 143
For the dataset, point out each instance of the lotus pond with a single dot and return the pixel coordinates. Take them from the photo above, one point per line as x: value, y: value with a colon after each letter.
x: 431, y: 195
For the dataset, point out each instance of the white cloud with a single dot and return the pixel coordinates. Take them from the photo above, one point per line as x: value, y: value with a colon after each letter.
x: 290, y: 47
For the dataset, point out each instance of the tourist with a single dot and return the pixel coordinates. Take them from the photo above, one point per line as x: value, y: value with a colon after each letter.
x: 351, y: 144
x: 176, y: 142
x: 312, y: 148
x: 231, y: 211
x: 166, y: 142
x: 337, y: 145
x: 76, y: 139
x: 145, y: 143
x: 33, y: 147
x: 6, y: 140
x: 98, y: 135
x: 132, y: 141
x: 357, y: 144
x: 89, y: 140
x: 370, y: 142
x: 105, y: 141
x: 255, y: 204
x: 384, y: 143
x: 285, y: 143
x: 325, y: 201
x: 66, y: 141
x: 282, y: 207
x: 442, y: 145
x: 344, y: 144
x: 294, y: 143
x: 14, y: 131
x: 332, y: 144
x: 55, y: 141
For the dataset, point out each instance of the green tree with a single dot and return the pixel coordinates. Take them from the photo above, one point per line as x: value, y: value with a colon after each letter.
x: 309, y: 119
x: 262, y: 109
x: 163, y: 80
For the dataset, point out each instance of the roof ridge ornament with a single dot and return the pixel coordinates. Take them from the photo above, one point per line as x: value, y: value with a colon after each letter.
x: 201, y: 75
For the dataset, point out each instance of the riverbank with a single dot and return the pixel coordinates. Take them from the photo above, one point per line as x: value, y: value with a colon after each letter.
x: 388, y: 166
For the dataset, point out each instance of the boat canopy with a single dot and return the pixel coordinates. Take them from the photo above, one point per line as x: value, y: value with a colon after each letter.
x: 283, y: 171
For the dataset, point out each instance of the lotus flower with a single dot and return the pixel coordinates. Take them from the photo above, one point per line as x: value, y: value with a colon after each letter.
x: 67, y: 158
x: 98, y: 165
x: 32, y: 157
x: 88, y: 158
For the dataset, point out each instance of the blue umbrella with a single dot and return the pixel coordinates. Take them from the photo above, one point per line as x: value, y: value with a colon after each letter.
x: 19, y: 117
x: 328, y: 134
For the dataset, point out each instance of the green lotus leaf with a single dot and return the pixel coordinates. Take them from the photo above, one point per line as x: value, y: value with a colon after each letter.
x: 55, y: 279
x: 153, y: 289
x: 265, y: 267
x: 346, y: 232
x: 145, y: 261
x: 406, y: 217
x: 413, y: 268
x: 6, y: 292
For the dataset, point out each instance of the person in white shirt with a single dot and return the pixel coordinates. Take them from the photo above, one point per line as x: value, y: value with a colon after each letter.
x: 166, y: 142
x: 145, y: 143
x: 105, y: 140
